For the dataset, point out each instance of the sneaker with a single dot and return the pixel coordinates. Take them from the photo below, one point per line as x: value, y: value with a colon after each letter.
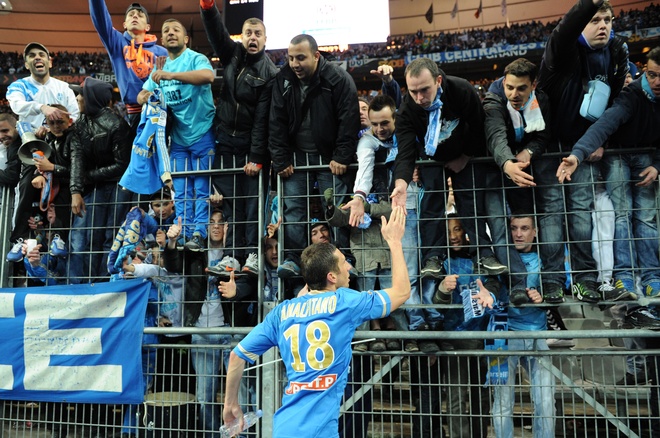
x: 393, y: 345
x: 16, y: 252
x: 432, y: 268
x: 58, y: 247
x: 652, y: 289
x: 224, y: 266
x: 518, y: 297
x: 493, y: 266
x: 559, y: 343
x: 288, y: 269
x: 196, y: 243
x: 622, y: 290
x: 410, y: 346
x: 644, y: 318
x: 251, y: 265
x: 427, y: 346
x: 586, y: 291
x: 377, y: 346
x: 362, y: 347
x: 553, y: 294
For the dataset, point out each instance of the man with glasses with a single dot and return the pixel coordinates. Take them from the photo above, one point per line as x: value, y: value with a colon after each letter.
x: 630, y: 123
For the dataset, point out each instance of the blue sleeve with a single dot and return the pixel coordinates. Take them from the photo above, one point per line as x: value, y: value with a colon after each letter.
x: 261, y: 339
x: 111, y: 38
x: 201, y: 62
x: 393, y: 89
x: 369, y: 305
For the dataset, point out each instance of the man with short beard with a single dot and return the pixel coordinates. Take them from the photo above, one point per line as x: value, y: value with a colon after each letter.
x: 30, y: 97
x: 241, y: 128
x: 185, y: 79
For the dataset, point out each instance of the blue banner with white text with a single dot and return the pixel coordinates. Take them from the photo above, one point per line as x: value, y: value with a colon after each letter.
x: 74, y: 343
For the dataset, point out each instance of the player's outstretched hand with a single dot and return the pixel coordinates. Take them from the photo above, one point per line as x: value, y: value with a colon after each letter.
x: 393, y: 229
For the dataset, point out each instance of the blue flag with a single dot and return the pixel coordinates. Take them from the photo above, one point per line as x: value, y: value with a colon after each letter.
x: 74, y: 343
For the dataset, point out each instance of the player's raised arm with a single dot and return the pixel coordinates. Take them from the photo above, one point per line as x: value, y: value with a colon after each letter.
x: 392, y: 232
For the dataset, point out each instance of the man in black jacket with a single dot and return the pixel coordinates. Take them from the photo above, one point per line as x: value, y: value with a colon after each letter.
x: 581, y: 52
x: 241, y: 125
x: 314, y: 120
x: 517, y: 129
x: 446, y: 113
x: 100, y: 152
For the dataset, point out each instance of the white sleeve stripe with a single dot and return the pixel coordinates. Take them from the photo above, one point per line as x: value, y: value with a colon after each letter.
x: 253, y: 357
x: 384, y: 301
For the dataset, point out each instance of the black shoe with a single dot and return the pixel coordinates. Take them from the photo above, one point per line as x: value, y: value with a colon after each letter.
x: 619, y: 292
x: 553, y: 294
x: 586, y: 291
x: 196, y: 243
x: 493, y: 266
x: 410, y: 346
x: 633, y: 380
x: 518, y: 297
x: 644, y: 318
x: 427, y: 346
x: 432, y: 268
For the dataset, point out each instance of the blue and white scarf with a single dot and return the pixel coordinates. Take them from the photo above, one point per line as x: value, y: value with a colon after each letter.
x: 528, y: 119
x: 432, y: 137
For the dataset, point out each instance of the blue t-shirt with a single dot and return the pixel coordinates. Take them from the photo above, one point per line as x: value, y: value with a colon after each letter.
x: 313, y: 333
x: 192, y: 105
x: 466, y: 283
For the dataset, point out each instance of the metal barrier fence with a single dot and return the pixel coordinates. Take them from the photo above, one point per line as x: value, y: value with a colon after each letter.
x: 393, y: 393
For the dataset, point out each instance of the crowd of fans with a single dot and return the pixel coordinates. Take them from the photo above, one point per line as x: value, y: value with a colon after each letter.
x: 418, y: 43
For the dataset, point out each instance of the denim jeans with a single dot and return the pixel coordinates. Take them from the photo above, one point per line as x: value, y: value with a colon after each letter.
x: 433, y: 316
x: 207, y: 363
x: 579, y: 201
x: 518, y: 200
x: 297, y: 189
x: 240, y: 204
x: 635, y: 208
x: 469, y: 202
x: 191, y: 193
x: 542, y: 391
x: 410, y: 243
x: 92, y: 234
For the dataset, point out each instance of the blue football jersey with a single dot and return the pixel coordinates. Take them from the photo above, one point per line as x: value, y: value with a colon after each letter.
x: 314, y: 334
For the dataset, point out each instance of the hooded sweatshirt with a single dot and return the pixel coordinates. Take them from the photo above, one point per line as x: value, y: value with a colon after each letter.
x: 132, y: 62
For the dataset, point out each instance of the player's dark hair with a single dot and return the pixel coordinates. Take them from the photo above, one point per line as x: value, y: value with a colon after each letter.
x: 520, y: 68
x: 316, y: 261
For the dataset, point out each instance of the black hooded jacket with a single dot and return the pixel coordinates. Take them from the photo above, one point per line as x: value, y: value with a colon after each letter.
x: 100, y: 144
